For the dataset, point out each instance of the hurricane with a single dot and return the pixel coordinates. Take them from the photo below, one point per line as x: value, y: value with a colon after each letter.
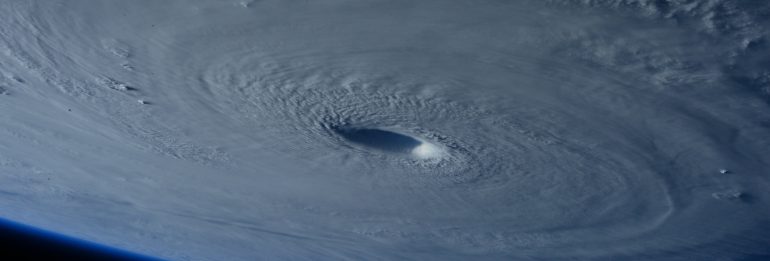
x: 390, y: 129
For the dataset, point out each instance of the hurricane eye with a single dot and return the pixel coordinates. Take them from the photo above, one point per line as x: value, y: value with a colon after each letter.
x: 379, y: 139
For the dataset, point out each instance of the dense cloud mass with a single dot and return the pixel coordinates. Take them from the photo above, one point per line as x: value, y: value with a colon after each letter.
x: 390, y: 129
